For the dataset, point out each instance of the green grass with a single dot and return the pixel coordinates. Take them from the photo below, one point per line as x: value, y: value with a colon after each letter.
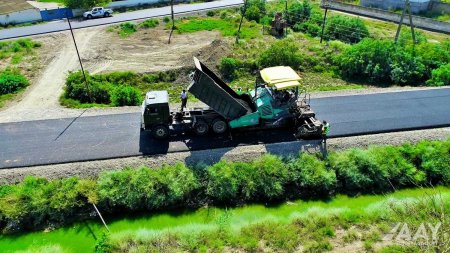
x: 361, y: 210
x: 227, y: 27
x: 16, y: 50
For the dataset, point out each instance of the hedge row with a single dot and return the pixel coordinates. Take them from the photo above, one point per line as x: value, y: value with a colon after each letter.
x: 37, y: 203
x: 11, y: 81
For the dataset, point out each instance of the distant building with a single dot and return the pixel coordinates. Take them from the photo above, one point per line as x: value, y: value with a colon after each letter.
x: 18, y: 11
x: 416, y: 5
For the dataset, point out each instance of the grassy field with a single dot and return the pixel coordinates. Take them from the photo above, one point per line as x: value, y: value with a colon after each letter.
x: 319, y: 225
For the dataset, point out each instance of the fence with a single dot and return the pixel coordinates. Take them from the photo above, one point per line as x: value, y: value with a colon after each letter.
x: 420, y: 22
x: 60, y: 13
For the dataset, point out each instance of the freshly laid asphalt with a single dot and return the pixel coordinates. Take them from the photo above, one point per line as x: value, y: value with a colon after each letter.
x: 62, y: 25
x: 112, y: 136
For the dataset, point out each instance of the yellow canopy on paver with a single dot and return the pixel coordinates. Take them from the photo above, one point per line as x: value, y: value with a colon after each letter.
x: 281, y: 77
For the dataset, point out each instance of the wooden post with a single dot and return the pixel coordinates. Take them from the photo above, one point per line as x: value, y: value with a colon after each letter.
x: 323, y: 25
x: 242, y: 19
x: 411, y: 23
x: 173, y: 20
x: 401, y: 22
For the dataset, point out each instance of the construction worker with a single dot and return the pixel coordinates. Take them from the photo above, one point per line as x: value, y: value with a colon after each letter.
x: 325, y: 131
x: 239, y: 91
x: 184, y: 98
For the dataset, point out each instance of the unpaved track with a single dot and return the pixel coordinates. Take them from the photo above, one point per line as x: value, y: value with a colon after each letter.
x: 42, y: 97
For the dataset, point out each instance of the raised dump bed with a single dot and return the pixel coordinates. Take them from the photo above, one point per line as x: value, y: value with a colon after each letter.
x: 211, y: 90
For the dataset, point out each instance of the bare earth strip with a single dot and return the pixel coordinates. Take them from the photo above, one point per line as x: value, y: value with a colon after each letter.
x: 244, y: 153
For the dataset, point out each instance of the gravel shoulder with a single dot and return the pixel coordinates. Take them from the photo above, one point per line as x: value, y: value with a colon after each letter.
x: 242, y: 153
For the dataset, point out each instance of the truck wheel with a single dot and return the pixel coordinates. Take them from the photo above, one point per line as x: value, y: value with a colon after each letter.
x: 201, y: 128
x: 106, y: 15
x: 219, y: 126
x: 160, y: 132
x: 89, y: 17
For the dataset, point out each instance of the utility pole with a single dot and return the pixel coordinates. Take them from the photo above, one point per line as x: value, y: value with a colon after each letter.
x: 173, y: 20
x: 242, y: 19
x: 324, y: 19
x: 407, y: 7
x: 79, y: 58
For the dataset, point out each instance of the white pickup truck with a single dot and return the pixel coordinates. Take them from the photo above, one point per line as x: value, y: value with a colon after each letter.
x: 98, y: 12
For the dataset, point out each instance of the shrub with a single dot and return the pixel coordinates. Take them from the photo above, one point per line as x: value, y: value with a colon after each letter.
x: 146, y: 188
x: 255, y: 10
x: 126, y: 29
x: 433, y: 55
x: 125, y: 95
x: 310, y: 176
x: 346, y: 29
x: 224, y: 182
x: 282, y: 53
x: 440, y: 76
x: 269, y: 177
x: 149, y: 23
x: 210, y: 13
x: 308, y: 27
x: 381, y: 61
x: 298, y: 12
x: 228, y: 67
x: 12, y: 81
x: 92, y: 92
x: 166, y: 19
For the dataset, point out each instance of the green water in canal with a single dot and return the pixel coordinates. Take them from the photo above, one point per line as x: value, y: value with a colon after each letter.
x: 81, y: 237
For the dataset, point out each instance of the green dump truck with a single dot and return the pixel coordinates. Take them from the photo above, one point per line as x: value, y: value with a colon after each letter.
x: 275, y: 102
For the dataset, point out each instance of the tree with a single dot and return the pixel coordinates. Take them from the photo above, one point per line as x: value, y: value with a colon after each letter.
x: 85, y: 4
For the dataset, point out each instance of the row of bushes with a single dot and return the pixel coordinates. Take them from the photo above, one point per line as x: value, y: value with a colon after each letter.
x: 372, y: 61
x: 116, y: 88
x: 11, y: 81
x: 38, y: 202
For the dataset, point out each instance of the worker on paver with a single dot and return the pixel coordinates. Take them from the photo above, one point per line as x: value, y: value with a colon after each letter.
x: 325, y: 131
x: 239, y: 91
x: 184, y: 98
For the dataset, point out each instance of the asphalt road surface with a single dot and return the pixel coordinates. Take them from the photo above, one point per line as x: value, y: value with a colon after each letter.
x: 101, y: 137
x: 62, y: 25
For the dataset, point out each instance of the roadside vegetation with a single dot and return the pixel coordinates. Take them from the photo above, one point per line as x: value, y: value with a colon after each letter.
x: 12, y: 54
x: 125, y: 30
x: 37, y: 203
x: 116, y: 88
x: 356, y: 53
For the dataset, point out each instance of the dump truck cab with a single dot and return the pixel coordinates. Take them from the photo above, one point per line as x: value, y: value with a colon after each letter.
x: 155, y: 112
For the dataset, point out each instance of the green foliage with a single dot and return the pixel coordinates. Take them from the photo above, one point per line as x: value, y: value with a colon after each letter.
x: 377, y: 169
x: 346, y: 29
x: 37, y: 202
x: 115, y: 88
x: 255, y: 10
x: 166, y: 19
x: 381, y: 61
x: 310, y: 177
x: 85, y: 4
x: 299, y: 12
x: 17, y: 49
x: 146, y: 188
x: 282, y: 53
x: 227, y: 27
x: 126, y: 29
x: 309, y: 27
x: 11, y: 81
x: 125, y: 95
x: 228, y: 67
x: 149, y: 23
x: 440, y: 76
